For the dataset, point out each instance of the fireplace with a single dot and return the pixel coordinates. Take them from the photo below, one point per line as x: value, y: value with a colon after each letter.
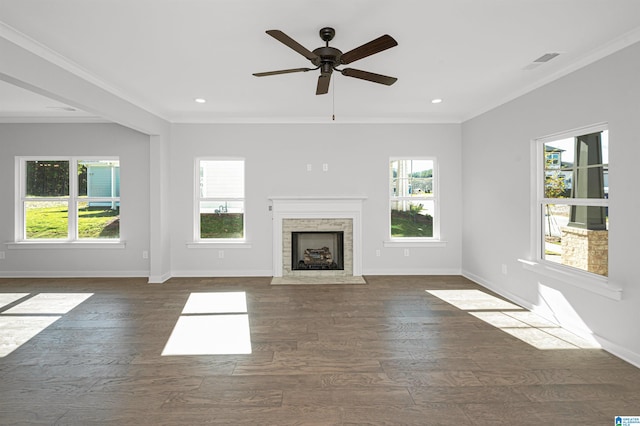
x: 317, y: 250
x: 317, y: 234
x: 319, y: 216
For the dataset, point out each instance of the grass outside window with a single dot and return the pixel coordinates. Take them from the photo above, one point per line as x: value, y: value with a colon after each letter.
x: 51, y: 221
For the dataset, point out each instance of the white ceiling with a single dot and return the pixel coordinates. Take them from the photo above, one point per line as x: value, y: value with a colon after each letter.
x: 161, y: 54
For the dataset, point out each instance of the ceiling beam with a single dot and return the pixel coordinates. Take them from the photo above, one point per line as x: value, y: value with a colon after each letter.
x: 31, y: 66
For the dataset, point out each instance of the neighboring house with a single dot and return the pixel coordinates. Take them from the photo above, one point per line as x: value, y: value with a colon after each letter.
x: 556, y: 165
x: 103, y: 180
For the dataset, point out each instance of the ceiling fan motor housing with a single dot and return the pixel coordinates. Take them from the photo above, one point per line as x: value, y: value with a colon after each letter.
x: 327, y: 57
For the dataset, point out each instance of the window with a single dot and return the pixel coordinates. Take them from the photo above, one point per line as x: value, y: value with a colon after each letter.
x: 573, y: 206
x: 413, y: 199
x: 220, y: 200
x: 68, y: 199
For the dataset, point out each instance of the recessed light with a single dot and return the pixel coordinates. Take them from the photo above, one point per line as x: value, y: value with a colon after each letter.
x: 200, y: 100
x: 436, y: 101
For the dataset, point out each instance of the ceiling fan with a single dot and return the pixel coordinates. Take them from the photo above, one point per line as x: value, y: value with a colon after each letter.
x: 327, y: 58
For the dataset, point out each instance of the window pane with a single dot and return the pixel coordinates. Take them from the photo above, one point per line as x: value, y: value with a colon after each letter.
x: 411, y: 177
x: 568, y: 243
x: 46, y: 219
x: 224, y: 219
x: 222, y: 179
x: 412, y: 219
x: 47, y: 178
x: 577, y: 167
x: 99, y: 219
x: 99, y: 178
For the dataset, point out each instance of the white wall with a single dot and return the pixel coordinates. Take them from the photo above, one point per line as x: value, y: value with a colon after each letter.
x: 496, y: 164
x: 276, y: 164
x: 79, y: 140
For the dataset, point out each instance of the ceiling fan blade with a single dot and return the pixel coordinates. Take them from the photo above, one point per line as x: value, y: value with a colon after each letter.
x: 374, y: 46
x: 288, y: 41
x: 323, y: 84
x: 264, y: 74
x: 369, y: 76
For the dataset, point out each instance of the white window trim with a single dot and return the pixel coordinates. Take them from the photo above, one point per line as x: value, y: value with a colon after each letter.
x: 585, y: 280
x: 55, y: 245
x: 215, y: 243
x: 435, y: 240
x: 72, y: 241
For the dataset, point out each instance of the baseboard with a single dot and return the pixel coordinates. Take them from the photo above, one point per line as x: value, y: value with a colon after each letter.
x: 159, y: 279
x: 619, y: 351
x: 613, y: 348
x: 486, y: 284
x: 411, y: 272
x: 223, y: 273
x: 73, y: 274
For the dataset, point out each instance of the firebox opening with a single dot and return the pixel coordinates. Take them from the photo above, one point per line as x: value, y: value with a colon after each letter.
x: 317, y: 250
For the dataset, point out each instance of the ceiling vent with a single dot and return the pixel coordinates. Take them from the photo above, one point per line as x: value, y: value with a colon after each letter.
x: 541, y: 60
x: 545, y: 58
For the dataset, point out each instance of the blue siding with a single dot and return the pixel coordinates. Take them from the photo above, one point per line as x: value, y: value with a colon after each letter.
x: 99, y: 183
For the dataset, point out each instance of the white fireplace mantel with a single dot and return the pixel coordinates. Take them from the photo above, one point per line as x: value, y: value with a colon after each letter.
x: 317, y: 207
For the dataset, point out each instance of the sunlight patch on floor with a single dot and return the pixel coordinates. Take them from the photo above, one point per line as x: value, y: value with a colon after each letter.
x: 211, y: 324
x: 22, y: 322
x: 472, y: 300
x: 16, y: 331
x: 49, y: 303
x: 514, y: 320
x: 216, y: 303
x: 9, y: 298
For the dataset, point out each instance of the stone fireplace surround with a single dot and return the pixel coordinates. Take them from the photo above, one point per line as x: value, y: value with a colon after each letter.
x: 317, y: 213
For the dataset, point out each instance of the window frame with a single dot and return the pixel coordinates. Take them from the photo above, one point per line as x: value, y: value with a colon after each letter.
x: 72, y: 200
x: 218, y: 242
x: 435, y: 239
x: 585, y: 280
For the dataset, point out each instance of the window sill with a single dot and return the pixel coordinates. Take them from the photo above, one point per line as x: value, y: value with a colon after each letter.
x: 58, y: 245
x: 583, y: 280
x: 219, y: 245
x: 409, y: 242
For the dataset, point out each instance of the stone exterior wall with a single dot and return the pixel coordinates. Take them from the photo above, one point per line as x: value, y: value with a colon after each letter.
x: 586, y: 249
x: 310, y: 225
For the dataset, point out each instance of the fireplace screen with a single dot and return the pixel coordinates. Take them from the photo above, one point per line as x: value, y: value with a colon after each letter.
x: 317, y: 250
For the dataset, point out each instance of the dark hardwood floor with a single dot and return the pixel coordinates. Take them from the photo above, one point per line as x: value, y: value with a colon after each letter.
x: 388, y: 352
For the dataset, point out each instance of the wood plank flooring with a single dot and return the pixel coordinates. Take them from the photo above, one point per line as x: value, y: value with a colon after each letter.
x: 387, y: 352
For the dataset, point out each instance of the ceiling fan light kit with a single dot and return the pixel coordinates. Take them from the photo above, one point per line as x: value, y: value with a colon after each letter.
x: 327, y: 59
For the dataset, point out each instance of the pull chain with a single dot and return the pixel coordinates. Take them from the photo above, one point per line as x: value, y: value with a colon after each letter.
x: 333, y: 94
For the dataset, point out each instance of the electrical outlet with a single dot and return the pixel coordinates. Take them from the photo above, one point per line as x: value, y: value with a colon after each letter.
x: 504, y: 269
x: 309, y: 167
x: 1, y: 255
x: 145, y: 254
x: 220, y: 254
x: 406, y: 252
x: 325, y: 167
x: 378, y: 253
